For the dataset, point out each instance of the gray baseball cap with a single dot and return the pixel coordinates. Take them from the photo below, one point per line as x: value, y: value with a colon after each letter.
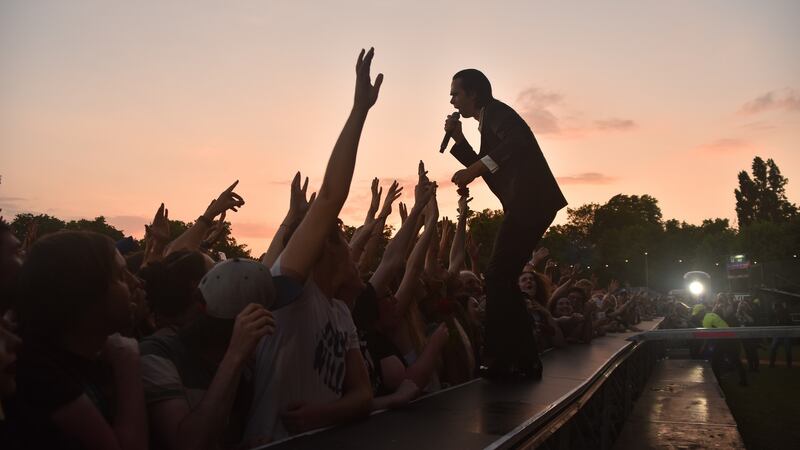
x: 233, y: 284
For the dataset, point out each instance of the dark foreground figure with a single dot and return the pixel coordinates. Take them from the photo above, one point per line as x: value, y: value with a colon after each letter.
x: 515, y: 169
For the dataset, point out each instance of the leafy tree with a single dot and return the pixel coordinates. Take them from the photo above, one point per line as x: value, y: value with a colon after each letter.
x: 46, y: 224
x: 483, y: 227
x: 229, y: 246
x: 573, y: 241
x: 226, y: 244
x: 763, y: 197
x: 98, y: 225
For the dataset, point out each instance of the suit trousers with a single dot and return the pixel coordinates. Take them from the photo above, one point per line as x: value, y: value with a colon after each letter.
x: 509, y: 332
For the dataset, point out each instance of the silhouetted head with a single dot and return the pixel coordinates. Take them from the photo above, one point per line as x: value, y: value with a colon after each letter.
x: 470, y: 91
x: 171, y: 285
x: 10, y: 263
x: 75, y: 282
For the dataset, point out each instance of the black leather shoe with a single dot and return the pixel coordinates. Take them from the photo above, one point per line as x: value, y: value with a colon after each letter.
x: 531, y: 369
x: 498, y: 372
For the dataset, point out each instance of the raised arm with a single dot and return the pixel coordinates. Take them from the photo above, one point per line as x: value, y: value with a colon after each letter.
x: 539, y: 255
x: 375, y: 230
x: 458, y: 252
x: 446, y: 239
x: 156, y: 236
x: 371, y: 249
x: 395, y: 254
x: 298, y: 207
x: 473, y: 250
x: 414, y: 266
x: 433, y: 266
x: 177, y: 426
x: 304, y: 246
x: 193, y: 237
x: 363, y: 233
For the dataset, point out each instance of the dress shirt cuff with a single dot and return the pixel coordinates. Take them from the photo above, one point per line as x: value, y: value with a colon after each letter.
x: 490, y: 164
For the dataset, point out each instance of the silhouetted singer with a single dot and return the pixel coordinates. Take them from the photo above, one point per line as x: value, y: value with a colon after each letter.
x: 515, y: 169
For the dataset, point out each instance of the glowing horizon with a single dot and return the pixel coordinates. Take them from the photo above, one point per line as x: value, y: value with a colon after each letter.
x: 112, y: 109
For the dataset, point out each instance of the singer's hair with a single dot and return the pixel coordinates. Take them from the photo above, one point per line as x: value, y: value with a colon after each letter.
x: 475, y: 82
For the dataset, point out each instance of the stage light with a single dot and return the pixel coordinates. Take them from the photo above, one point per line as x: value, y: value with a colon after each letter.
x: 626, y: 260
x: 606, y: 265
x: 696, y: 287
x: 680, y: 260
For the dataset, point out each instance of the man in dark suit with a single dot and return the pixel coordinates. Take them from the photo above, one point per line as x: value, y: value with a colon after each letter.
x: 514, y: 168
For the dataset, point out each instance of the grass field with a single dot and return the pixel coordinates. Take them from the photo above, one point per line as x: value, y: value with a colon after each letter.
x: 768, y: 410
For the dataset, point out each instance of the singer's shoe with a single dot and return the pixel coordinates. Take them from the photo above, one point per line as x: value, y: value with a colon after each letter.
x: 531, y: 368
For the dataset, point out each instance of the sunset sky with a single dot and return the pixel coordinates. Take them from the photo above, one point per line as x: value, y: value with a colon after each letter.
x: 109, y: 108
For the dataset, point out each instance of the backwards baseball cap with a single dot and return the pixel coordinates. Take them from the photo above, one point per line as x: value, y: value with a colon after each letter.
x: 233, y: 284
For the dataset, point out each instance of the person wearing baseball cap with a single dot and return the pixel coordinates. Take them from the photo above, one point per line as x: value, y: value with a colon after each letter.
x: 197, y: 383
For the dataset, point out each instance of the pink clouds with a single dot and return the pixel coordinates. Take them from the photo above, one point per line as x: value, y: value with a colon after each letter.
x: 615, y: 124
x: 786, y: 99
x: 548, y: 114
x: 586, y: 178
x: 725, y: 145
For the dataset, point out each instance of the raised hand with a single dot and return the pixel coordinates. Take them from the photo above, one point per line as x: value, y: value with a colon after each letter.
x: 403, y: 211
x: 31, y: 234
x: 253, y: 323
x: 473, y: 249
x: 447, y: 228
x: 391, y: 195
x: 432, y: 209
x: 422, y: 173
x: 226, y: 200
x: 463, y: 207
x: 215, y: 232
x: 366, y: 93
x: 158, y: 230
x: 539, y: 255
x: 298, y: 204
x: 376, y: 199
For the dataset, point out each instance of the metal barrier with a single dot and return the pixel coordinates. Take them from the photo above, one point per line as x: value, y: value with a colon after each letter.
x: 718, y: 333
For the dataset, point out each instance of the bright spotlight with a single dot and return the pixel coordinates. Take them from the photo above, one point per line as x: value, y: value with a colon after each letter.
x: 696, y: 287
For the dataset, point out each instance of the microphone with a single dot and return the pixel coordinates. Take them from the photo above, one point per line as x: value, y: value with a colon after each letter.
x: 447, y: 135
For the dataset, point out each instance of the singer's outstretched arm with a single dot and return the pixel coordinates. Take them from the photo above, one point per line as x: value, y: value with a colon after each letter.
x: 464, y: 153
x: 302, y: 250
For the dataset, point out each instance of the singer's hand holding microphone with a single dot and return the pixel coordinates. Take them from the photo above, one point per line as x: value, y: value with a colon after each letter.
x: 452, y: 128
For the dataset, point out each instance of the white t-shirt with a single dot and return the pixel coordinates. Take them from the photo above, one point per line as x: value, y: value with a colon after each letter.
x: 303, y: 361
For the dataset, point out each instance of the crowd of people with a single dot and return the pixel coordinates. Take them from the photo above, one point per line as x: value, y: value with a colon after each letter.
x: 169, y: 347
x: 725, y: 310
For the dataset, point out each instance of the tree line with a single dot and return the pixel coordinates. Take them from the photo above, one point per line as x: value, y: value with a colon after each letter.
x: 625, y: 238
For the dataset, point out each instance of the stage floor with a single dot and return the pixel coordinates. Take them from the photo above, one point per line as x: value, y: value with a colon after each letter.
x: 472, y: 415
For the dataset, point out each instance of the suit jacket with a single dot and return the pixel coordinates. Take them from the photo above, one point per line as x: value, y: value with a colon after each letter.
x: 523, y: 180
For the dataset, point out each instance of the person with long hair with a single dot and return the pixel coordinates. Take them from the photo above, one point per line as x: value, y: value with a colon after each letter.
x: 79, y: 382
